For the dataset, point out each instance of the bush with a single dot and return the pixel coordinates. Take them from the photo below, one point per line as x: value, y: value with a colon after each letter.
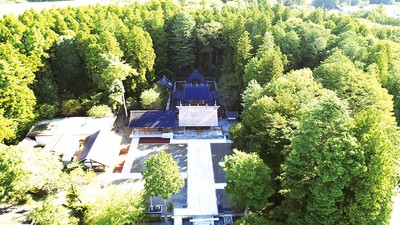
x: 153, y: 98
x: 71, y: 107
x: 24, y: 169
x: 132, y: 103
x: 45, y: 111
x: 99, y: 111
x: 51, y: 212
x: 115, y: 204
x: 170, y: 206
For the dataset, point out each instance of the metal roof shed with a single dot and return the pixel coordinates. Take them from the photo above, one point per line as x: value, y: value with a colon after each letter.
x: 65, y: 145
x: 101, y: 148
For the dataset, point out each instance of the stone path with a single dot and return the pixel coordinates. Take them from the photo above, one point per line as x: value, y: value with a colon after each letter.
x: 202, y: 198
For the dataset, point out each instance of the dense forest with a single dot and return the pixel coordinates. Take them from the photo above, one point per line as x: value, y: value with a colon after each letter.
x: 318, y: 92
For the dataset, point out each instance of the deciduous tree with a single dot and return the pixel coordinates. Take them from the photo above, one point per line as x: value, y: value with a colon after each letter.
x: 162, y: 177
x: 115, y: 204
x: 25, y: 169
x: 248, y: 179
x: 51, y: 212
x: 100, y: 111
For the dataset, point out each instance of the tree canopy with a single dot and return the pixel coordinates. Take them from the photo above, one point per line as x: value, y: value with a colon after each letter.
x: 162, y: 177
x: 249, y: 179
x: 318, y: 93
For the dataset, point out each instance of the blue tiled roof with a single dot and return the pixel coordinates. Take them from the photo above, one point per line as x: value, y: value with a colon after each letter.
x: 166, y: 82
x: 197, y: 92
x: 152, y: 118
x: 195, y: 75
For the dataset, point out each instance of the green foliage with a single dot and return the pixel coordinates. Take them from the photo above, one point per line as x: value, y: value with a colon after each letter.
x: 182, y: 41
x: 153, y: 98
x: 393, y: 87
x: 45, y: 87
x: 252, y: 93
x: 138, y: 52
x: 248, y: 179
x: 242, y: 57
x: 162, y: 177
x: 17, y: 99
x: 209, y: 45
x: 155, y: 23
x: 353, y: 46
x: 71, y: 107
x: 360, y: 89
x: 51, y: 212
x: 267, y: 65
x: 68, y: 67
x: 99, y: 111
x: 110, y: 81
x: 77, y: 180
x: 314, y: 40
x: 289, y: 44
x: 252, y: 220
x: 170, y: 206
x: 115, y: 204
x: 25, y: 169
x: 45, y: 111
x: 380, y: 54
x: 371, y: 202
x: 328, y: 155
x: 7, y: 129
x: 270, y: 113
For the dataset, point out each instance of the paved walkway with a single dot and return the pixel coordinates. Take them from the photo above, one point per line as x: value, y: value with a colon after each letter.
x: 202, y: 198
x: 131, y: 156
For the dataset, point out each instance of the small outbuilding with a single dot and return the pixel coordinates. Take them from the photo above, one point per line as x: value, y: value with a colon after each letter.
x: 99, y: 150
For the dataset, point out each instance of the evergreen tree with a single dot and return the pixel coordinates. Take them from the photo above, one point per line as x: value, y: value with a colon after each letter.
x: 68, y: 67
x: 319, y: 167
x: 181, y: 48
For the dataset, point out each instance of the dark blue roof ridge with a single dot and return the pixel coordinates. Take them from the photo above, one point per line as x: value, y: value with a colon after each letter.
x: 195, y: 75
x: 196, y: 85
x: 151, y: 110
